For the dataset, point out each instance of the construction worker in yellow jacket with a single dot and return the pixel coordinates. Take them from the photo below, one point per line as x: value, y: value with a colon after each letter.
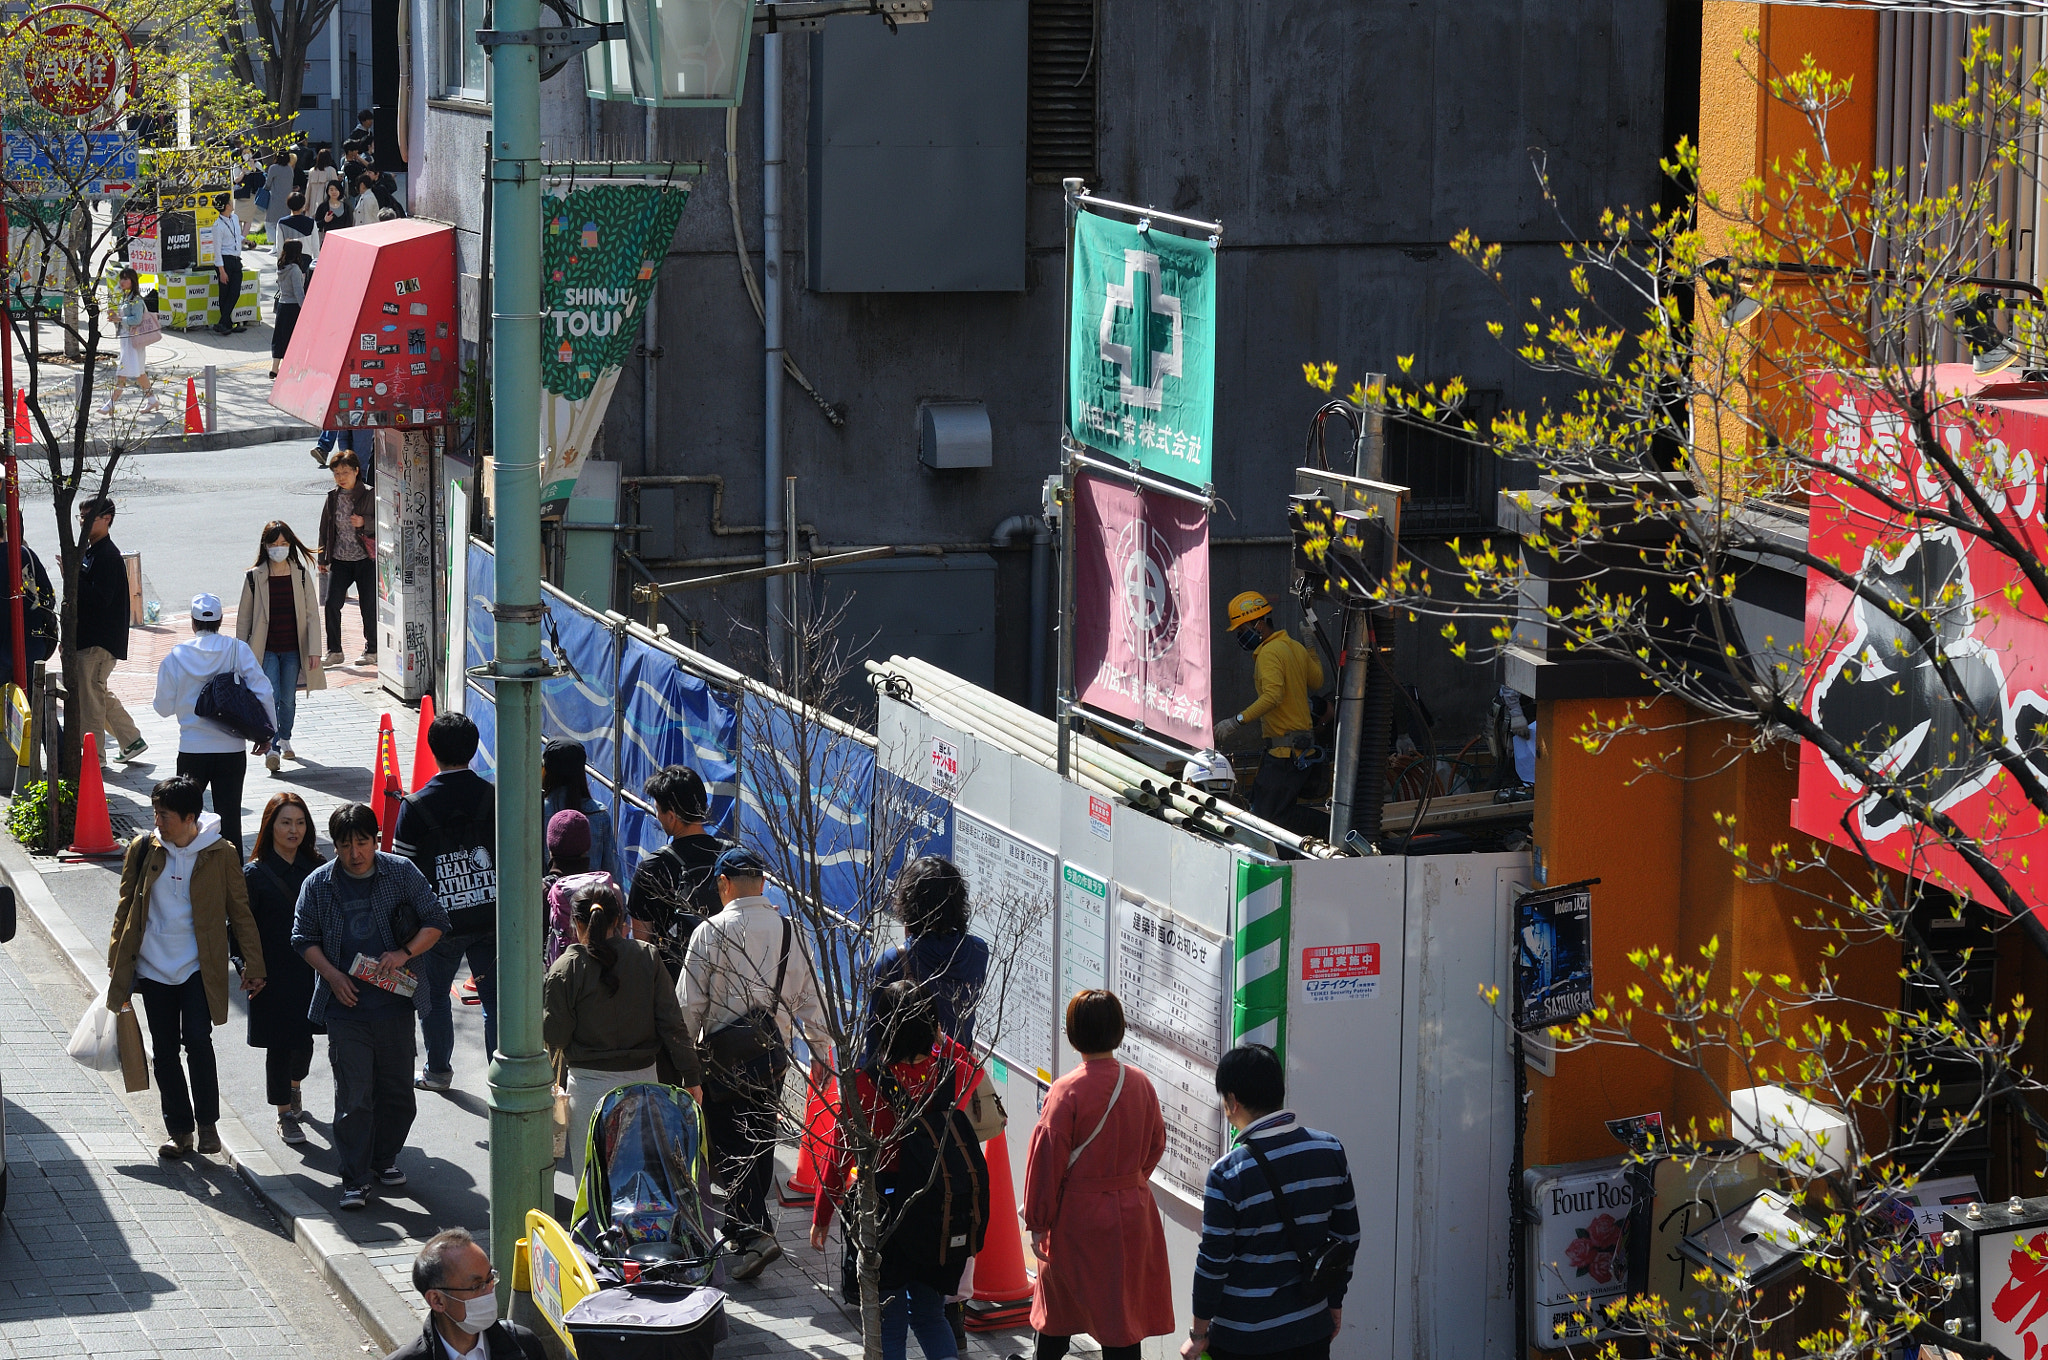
x: 1284, y: 672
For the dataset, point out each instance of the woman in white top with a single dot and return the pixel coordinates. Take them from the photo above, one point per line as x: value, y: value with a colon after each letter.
x: 319, y: 177
x: 129, y: 313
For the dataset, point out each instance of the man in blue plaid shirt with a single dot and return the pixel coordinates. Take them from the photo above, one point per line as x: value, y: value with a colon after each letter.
x: 350, y: 908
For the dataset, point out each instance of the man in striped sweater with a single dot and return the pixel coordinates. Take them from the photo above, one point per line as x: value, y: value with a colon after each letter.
x: 1251, y: 1295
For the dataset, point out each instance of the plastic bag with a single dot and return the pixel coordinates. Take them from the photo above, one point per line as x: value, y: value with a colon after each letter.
x: 96, y: 1043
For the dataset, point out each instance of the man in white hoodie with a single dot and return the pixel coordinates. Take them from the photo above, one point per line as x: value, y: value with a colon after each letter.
x: 181, y: 892
x: 207, y: 751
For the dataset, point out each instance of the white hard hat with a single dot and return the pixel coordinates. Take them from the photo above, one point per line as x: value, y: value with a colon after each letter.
x: 1210, y: 770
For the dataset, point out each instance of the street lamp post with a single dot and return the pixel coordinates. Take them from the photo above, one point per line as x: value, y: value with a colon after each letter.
x: 522, y: 1160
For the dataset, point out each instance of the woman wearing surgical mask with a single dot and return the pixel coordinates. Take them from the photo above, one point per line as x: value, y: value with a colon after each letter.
x: 280, y: 619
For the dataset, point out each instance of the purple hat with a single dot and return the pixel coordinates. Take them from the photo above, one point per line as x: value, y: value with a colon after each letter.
x: 568, y: 834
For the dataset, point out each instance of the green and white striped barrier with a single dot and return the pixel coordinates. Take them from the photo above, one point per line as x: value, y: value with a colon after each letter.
x: 1258, y: 1013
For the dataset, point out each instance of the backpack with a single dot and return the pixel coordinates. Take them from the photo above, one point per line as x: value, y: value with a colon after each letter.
x: 459, y: 865
x: 560, y: 892
x: 681, y: 909
x: 935, y: 1199
x: 232, y: 704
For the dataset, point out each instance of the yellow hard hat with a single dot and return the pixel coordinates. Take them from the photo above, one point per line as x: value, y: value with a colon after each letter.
x: 1247, y: 606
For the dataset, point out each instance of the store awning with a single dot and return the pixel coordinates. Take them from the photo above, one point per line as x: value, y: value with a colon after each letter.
x: 375, y: 343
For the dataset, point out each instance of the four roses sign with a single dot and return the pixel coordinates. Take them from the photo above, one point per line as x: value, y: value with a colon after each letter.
x: 77, y: 63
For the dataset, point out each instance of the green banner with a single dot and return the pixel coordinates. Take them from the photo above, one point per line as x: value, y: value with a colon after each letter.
x: 1141, y: 351
x: 601, y: 252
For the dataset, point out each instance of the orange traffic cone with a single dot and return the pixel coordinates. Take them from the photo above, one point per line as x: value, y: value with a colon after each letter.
x: 21, y: 422
x: 195, y: 423
x: 389, y: 789
x: 93, y: 837
x: 1002, y: 1291
x: 817, y: 1148
x: 424, y: 766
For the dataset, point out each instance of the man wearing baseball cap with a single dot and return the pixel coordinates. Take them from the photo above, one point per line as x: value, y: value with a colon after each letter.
x: 746, y: 978
x: 213, y: 755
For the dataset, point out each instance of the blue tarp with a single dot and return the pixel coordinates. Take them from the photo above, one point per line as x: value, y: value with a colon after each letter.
x: 672, y: 717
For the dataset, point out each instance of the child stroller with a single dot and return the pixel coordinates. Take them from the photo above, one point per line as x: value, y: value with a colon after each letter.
x: 639, y: 1231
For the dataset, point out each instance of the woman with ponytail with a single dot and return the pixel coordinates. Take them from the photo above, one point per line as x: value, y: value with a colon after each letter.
x: 607, y: 1010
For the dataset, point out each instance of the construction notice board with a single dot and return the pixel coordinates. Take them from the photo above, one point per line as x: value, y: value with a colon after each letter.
x: 1011, y: 884
x: 1173, y: 978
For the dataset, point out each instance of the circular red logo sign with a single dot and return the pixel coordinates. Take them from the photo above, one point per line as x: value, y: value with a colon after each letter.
x: 78, y: 63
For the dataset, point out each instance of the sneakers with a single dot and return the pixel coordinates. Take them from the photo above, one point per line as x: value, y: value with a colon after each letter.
x: 106, y: 408
x: 354, y: 1197
x: 433, y: 1081
x: 319, y: 455
x: 174, y: 1148
x: 152, y: 408
x: 272, y: 761
x: 288, y: 1127
x: 367, y: 659
x: 209, y: 1139
x: 391, y: 1175
x: 331, y: 659
x: 761, y: 1253
x: 131, y: 750
x: 289, y: 753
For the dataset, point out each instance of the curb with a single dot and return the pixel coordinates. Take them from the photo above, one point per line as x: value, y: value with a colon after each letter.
x: 383, y: 1312
x: 206, y: 443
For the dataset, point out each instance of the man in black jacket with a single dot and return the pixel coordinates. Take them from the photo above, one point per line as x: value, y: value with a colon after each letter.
x: 455, y: 1277
x: 103, y: 632
x: 449, y: 830
x: 674, y: 890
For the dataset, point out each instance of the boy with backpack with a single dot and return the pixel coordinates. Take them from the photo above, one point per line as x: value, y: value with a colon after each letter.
x: 674, y: 890
x: 448, y: 828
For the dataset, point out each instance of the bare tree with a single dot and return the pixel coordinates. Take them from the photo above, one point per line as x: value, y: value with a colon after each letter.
x: 807, y: 768
x: 275, y: 61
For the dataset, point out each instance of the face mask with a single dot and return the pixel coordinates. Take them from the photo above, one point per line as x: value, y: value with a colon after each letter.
x: 1248, y: 638
x: 479, y: 1314
x: 278, y: 551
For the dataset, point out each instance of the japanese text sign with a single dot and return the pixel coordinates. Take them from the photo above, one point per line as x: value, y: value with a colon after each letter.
x: 1141, y: 348
x: 1141, y: 628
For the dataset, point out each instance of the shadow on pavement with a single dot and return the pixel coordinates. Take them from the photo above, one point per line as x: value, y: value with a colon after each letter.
x: 63, y: 1247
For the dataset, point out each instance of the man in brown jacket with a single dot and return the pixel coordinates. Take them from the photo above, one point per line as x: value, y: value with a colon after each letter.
x: 181, y: 892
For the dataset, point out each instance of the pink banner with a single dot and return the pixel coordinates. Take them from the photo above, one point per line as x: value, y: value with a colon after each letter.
x: 1141, y: 604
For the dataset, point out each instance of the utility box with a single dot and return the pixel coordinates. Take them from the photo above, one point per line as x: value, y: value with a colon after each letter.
x: 954, y: 434
x: 917, y: 171
x: 405, y: 561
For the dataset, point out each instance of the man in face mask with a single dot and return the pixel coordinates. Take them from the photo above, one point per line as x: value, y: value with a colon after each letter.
x: 1284, y: 672
x: 455, y: 1277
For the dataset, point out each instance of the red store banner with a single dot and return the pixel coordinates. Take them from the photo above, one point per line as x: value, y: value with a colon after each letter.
x: 1141, y: 607
x: 1871, y: 686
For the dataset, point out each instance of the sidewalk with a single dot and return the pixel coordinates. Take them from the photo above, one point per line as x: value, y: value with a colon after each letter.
x: 104, y: 1250
x: 368, y: 1255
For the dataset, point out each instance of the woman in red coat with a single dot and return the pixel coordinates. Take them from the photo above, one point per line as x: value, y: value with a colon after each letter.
x: 1088, y: 1199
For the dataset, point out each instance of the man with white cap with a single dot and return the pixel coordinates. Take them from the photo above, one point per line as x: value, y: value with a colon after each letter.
x: 212, y: 754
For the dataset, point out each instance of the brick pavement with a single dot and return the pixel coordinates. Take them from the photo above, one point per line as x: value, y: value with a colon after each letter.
x: 104, y: 1249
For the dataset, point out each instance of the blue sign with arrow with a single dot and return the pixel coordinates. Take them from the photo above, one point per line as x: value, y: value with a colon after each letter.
x: 60, y: 164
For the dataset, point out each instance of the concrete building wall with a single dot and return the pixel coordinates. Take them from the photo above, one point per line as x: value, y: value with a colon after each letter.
x: 1343, y: 143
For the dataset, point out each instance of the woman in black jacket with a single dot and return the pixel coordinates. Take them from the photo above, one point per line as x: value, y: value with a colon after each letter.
x: 277, y: 1017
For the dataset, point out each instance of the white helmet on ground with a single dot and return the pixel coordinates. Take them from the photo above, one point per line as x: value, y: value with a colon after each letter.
x: 1210, y: 771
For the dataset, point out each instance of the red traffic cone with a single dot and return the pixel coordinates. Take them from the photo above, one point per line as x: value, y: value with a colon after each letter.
x: 818, y: 1146
x: 1002, y: 1291
x: 93, y: 837
x: 195, y: 423
x: 389, y: 787
x: 22, y: 429
x: 424, y: 766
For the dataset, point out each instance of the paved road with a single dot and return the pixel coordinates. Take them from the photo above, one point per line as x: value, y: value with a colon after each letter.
x: 196, y: 518
x: 104, y: 1250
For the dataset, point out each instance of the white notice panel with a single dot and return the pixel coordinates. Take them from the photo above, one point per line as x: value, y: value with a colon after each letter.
x: 1173, y: 978
x: 1011, y: 884
x: 1084, y: 932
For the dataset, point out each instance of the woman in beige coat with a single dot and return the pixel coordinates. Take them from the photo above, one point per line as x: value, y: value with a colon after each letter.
x: 280, y: 620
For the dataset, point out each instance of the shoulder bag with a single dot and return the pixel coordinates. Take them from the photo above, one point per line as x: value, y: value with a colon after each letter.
x: 736, y: 1052
x: 1324, y: 1269
x: 231, y: 703
x: 1073, y: 1156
